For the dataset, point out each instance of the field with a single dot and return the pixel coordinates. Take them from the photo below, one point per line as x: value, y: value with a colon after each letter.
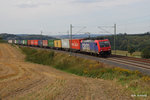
x: 125, y: 53
x: 21, y: 80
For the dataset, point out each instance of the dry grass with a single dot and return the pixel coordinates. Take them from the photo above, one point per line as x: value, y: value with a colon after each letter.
x: 134, y: 81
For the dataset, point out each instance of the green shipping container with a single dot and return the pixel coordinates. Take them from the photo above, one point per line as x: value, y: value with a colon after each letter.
x: 21, y: 41
x: 17, y: 41
x: 25, y: 42
x: 50, y: 43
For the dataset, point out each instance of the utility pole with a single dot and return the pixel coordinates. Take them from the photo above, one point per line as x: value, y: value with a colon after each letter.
x: 70, y: 37
x: 115, y: 38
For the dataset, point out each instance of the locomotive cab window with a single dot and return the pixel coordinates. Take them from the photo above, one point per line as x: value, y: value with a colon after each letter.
x: 104, y: 44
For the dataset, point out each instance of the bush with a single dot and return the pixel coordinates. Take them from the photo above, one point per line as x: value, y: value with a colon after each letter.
x: 131, y: 50
x: 146, y: 53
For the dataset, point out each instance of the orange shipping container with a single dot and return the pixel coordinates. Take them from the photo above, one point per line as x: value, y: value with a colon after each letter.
x: 32, y: 42
x: 45, y: 43
x: 29, y: 42
x: 35, y: 42
x: 57, y: 44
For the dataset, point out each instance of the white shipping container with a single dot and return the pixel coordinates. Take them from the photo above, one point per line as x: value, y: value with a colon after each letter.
x: 23, y: 41
x: 15, y: 41
x: 65, y: 43
x: 9, y: 41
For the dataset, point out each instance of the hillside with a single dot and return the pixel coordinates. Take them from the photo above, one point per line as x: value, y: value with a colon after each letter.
x: 6, y: 36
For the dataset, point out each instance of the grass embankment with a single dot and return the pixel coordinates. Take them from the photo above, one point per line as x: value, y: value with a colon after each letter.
x: 125, y: 53
x: 3, y: 41
x: 132, y: 80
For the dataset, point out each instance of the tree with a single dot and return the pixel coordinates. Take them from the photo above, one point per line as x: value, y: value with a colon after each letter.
x: 131, y: 50
x: 146, y: 52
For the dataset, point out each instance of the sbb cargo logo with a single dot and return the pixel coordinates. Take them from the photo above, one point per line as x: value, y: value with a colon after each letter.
x: 75, y: 44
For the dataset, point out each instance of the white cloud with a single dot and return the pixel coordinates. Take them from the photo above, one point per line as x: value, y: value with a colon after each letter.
x: 104, y: 3
x: 32, y: 3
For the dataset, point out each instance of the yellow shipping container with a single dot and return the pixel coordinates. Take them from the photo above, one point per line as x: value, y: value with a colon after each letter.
x: 57, y: 43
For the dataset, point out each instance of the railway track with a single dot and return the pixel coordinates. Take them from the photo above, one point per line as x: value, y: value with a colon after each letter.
x: 142, y: 65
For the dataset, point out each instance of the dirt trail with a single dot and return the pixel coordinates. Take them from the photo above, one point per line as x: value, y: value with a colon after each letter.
x: 24, y: 80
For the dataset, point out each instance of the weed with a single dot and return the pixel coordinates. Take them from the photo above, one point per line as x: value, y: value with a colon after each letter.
x: 133, y: 80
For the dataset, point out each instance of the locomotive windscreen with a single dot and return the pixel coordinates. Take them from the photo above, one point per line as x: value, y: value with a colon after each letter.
x: 104, y: 44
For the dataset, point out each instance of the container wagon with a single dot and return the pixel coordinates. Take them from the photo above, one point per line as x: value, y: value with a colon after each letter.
x: 65, y: 44
x: 40, y: 43
x: 45, y: 43
x: 35, y: 42
x: 75, y: 44
x: 10, y: 41
x: 25, y: 42
x: 51, y: 43
x: 21, y: 42
x: 29, y: 42
x: 32, y: 42
x: 57, y: 44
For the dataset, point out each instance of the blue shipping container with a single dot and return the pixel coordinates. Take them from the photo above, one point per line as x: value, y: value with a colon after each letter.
x: 19, y: 41
x: 40, y: 43
x: 89, y: 46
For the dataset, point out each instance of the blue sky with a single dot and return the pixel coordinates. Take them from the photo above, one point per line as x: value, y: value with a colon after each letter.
x: 55, y: 16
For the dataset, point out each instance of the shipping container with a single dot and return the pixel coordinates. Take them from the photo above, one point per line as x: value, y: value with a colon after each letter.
x: 89, y: 46
x: 40, y: 43
x: 51, y: 43
x: 65, y: 43
x: 75, y: 44
x: 15, y: 41
x: 19, y: 41
x: 57, y: 43
x: 10, y: 41
x: 29, y: 42
x: 45, y: 43
x: 32, y: 42
x: 24, y: 42
x: 35, y: 42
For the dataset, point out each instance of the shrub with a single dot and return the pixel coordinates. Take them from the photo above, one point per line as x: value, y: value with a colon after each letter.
x: 146, y: 53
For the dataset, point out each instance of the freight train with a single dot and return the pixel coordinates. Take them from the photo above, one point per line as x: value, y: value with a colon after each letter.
x: 94, y: 47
